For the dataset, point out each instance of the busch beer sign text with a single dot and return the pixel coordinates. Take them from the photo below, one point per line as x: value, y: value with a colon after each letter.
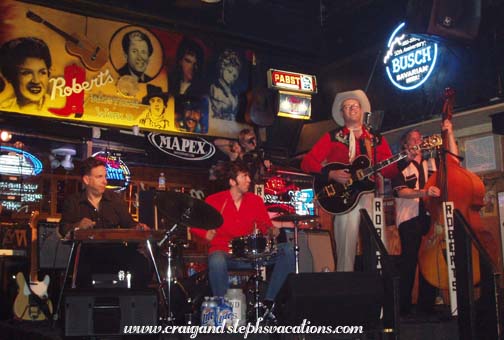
x: 409, y: 61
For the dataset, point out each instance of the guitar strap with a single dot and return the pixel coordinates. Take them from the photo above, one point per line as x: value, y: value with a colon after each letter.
x: 40, y: 303
x: 369, y: 148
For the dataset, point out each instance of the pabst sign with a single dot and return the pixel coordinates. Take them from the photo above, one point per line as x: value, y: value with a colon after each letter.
x: 191, y: 149
x: 409, y: 60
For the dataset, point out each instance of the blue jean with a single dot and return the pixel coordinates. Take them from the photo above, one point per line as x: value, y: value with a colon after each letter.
x: 219, y: 262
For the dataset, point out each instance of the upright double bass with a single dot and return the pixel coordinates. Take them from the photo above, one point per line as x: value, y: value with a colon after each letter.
x: 466, y: 191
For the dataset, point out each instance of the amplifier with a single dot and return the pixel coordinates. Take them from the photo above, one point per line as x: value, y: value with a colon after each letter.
x: 15, y: 239
x: 52, y: 252
x: 316, y: 252
x: 106, y: 311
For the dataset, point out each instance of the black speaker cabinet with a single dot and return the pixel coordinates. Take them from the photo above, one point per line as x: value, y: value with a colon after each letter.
x: 106, y: 312
x: 53, y: 253
x: 451, y: 19
x: 315, y: 250
x: 498, y: 123
x: 330, y: 299
x: 146, y: 211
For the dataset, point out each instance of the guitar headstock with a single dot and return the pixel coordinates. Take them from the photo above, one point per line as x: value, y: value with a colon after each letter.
x: 431, y: 142
x: 34, y: 219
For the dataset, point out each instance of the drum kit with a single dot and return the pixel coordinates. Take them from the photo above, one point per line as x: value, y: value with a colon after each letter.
x: 178, y: 210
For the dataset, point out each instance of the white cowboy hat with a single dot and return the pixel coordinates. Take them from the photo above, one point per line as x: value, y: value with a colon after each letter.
x: 341, y: 97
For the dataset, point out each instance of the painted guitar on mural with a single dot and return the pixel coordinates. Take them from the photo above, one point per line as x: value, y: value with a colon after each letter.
x: 92, y: 55
x: 337, y: 198
x: 32, y: 302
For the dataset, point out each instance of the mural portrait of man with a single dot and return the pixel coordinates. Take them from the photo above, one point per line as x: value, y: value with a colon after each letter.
x: 137, y: 53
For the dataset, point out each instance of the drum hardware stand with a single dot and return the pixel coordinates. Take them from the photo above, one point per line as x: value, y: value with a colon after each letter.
x: 257, y: 280
x: 169, y: 272
x: 296, y: 245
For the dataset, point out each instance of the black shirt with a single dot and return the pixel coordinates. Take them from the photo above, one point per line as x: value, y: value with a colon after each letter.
x: 111, y: 213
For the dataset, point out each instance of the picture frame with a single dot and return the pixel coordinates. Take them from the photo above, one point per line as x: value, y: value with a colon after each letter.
x: 482, y: 154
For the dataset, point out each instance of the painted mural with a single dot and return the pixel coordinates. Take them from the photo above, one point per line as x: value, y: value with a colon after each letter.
x: 67, y: 66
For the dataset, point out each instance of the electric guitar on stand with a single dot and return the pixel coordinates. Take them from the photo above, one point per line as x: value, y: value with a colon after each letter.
x: 337, y: 198
x: 32, y: 302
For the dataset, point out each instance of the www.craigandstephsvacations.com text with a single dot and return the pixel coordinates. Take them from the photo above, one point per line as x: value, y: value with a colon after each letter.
x: 245, y: 330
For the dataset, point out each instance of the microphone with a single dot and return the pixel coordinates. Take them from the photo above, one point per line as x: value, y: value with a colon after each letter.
x: 368, y: 116
x: 372, y: 121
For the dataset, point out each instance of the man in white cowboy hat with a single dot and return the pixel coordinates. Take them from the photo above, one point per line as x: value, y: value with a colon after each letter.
x: 343, y: 145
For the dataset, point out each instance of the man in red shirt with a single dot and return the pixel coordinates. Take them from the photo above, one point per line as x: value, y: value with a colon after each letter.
x: 343, y: 145
x: 242, y: 212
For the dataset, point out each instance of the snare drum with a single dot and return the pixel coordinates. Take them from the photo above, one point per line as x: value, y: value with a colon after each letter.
x: 250, y: 246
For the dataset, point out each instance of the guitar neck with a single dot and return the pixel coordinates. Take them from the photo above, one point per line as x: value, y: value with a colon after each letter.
x: 64, y: 34
x: 33, y: 248
x: 396, y: 158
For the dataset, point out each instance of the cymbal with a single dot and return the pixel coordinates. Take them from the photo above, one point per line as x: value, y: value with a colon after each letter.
x: 182, y: 209
x: 294, y: 218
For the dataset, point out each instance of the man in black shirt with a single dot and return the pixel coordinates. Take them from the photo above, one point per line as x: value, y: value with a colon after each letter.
x: 96, y: 207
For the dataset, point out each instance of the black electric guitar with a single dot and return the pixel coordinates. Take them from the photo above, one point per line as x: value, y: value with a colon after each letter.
x: 337, y: 198
x: 32, y: 302
x: 92, y: 55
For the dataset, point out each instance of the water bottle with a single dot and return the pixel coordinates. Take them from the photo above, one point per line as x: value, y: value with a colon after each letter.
x: 162, y: 182
x: 238, y: 302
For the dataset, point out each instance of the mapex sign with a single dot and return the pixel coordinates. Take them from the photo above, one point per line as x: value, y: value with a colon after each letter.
x: 409, y: 60
x: 196, y: 149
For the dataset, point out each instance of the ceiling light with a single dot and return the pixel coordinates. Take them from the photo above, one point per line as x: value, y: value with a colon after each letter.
x: 5, y: 136
x: 66, y: 163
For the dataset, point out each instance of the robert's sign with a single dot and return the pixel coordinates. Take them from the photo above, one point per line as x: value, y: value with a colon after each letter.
x: 191, y: 149
x: 409, y: 60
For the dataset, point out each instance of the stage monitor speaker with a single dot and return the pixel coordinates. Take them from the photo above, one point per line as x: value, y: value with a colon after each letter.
x: 52, y: 252
x: 105, y: 312
x: 451, y: 19
x: 331, y: 299
x: 315, y: 250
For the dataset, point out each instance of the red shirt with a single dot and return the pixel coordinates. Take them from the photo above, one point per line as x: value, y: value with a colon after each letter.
x: 236, y: 222
x: 333, y: 147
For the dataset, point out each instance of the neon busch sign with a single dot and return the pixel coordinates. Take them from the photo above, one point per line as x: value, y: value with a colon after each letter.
x: 409, y: 61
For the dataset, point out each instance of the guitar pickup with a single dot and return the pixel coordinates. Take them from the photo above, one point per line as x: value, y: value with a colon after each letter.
x: 329, y: 190
x: 359, y: 174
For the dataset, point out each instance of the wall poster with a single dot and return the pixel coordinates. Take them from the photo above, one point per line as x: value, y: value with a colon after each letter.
x: 68, y: 66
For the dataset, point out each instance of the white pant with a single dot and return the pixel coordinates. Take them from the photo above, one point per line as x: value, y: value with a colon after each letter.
x: 346, y: 232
